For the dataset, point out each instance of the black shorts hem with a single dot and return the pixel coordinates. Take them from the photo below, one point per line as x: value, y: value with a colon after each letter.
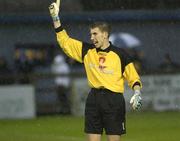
x: 93, y: 132
x: 116, y: 133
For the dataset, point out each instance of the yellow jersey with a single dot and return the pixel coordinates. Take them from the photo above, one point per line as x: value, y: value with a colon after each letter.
x: 107, y: 68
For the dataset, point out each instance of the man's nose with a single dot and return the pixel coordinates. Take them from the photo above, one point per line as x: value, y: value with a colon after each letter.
x: 92, y: 37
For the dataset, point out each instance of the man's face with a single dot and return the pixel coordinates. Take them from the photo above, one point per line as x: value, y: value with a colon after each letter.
x: 98, y: 37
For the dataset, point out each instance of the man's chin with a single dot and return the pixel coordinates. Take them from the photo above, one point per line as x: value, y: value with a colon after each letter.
x: 97, y: 46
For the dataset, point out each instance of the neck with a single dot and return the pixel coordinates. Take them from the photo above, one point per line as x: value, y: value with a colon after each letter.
x: 105, y: 45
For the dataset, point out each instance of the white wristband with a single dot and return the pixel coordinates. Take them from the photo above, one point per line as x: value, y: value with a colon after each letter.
x: 55, y: 18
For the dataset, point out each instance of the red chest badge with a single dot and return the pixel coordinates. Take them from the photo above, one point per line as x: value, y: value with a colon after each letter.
x: 101, y: 63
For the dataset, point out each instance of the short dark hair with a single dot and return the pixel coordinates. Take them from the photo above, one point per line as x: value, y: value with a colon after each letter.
x: 103, y: 26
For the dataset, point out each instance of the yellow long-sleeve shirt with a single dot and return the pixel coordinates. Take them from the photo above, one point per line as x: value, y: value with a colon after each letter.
x: 107, y: 68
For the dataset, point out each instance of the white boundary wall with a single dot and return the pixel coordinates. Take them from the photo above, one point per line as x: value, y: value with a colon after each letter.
x: 17, y: 102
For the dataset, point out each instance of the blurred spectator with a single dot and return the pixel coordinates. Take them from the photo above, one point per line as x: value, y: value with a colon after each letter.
x: 24, y: 65
x: 132, y: 45
x: 61, y: 68
x: 6, y: 75
x: 39, y: 58
x: 168, y: 65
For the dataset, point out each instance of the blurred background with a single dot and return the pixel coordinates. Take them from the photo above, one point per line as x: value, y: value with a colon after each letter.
x: 36, y: 77
x: 44, y: 92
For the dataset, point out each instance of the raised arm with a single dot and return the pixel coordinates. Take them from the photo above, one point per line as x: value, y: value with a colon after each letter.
x: 72, y: 47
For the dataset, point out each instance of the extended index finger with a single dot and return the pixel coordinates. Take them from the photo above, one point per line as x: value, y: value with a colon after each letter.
x: 58, y: 2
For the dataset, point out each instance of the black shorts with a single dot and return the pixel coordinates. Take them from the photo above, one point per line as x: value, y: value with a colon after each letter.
x: 105, y: 110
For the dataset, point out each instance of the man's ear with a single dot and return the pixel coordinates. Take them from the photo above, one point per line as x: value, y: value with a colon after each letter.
x: 106, y: 35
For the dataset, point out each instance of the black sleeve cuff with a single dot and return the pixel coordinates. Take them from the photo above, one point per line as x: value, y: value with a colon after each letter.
x: 59, y: 29
x: 136, y: 83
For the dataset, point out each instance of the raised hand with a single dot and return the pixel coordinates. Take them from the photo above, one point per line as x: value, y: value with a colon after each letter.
x: 54, y: 10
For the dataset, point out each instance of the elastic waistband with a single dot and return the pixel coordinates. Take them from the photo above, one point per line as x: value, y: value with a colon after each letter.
x: 103, y: 90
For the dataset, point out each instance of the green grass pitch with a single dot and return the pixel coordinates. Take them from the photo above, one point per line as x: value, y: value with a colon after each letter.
x: 141, y: 126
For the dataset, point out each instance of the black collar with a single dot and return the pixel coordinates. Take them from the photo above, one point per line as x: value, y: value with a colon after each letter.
x: 104, y: 50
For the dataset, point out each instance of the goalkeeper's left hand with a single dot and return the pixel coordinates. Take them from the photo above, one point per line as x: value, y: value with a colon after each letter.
x: 136, y: 100
x: 54, y: 10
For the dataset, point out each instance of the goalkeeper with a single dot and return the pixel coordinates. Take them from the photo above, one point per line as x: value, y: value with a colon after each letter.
x: 107, y: 67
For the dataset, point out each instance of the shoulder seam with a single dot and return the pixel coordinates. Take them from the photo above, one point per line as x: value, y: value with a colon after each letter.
x: 85, y: 48
x: 124, y: 57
